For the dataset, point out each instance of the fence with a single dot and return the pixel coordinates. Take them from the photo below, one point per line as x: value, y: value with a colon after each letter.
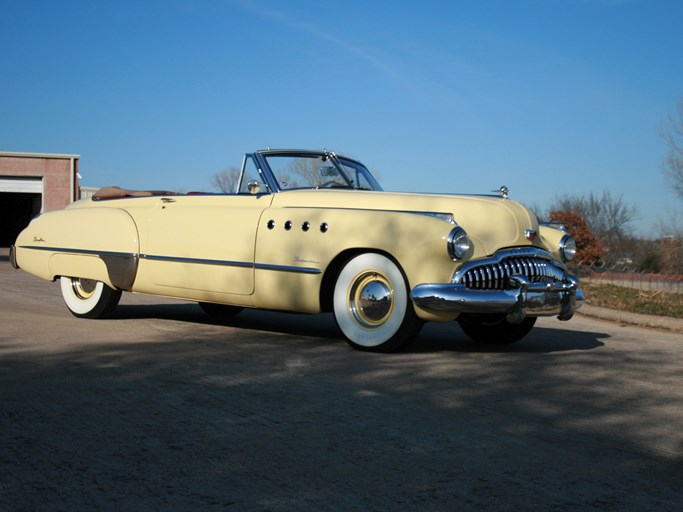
x: 645, y: 281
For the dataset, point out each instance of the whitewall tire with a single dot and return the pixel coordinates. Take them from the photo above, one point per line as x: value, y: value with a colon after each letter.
x: 372, y: 305
x: 87, y: 298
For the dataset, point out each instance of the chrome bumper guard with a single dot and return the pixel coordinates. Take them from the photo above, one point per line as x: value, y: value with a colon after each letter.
x: 13, y: 256
x: 522, y: 298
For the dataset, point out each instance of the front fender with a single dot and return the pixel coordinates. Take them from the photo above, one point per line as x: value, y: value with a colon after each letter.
x: 302, y: 242
x: 92, y: 243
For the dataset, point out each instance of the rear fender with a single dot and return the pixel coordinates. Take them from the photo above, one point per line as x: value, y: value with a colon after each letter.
x: 97, y: 243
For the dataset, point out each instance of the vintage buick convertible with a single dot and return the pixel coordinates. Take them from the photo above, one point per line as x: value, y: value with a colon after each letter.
x: 311, y: 232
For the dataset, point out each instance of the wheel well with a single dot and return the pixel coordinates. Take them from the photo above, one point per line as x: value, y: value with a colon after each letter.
x: 335, y: 267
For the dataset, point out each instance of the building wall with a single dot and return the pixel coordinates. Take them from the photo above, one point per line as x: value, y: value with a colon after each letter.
x: 87, y: 192
x: 31, y: 183
x: 58, y: 172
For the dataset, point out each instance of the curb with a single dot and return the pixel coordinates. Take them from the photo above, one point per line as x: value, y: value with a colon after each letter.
x: 623, y: 317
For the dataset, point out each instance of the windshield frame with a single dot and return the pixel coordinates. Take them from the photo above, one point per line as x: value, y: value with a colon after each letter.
x: 344, y: 162
x: 343, y: 166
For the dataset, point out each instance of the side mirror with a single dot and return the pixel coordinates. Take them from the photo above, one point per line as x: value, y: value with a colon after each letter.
x: 254, y: 187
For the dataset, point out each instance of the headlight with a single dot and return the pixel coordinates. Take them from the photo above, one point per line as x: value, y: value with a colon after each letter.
x: 458, y: 244
x: 567, y: 248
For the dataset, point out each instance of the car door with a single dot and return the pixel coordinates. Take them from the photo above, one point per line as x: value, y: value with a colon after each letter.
x: 204, y: 242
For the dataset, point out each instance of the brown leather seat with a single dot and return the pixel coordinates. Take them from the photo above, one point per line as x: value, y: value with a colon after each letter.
x: 118, y: 192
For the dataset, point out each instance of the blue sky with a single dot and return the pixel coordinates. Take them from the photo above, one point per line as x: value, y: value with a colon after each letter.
x: 549, y: 97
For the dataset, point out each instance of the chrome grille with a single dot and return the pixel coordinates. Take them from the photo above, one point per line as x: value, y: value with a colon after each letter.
x: 494, y: 275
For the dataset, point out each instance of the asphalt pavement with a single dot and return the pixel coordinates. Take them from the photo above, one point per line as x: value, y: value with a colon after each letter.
x: 164, y: 408
x: 611, y: 315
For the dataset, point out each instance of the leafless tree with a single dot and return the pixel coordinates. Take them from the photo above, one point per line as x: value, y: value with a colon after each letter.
x: 672, y: 135
x: 670, y: 224
x: 226, y: 180
x: 304, y: 172
x: 607, y: 216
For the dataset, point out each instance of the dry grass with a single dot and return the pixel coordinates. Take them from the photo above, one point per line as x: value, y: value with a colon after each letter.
x: 634, y: 301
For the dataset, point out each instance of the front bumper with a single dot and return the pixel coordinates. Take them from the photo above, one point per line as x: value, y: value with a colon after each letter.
x: 521, y: 298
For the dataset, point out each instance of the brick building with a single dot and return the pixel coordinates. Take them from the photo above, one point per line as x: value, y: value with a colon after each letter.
x: 31, y: 183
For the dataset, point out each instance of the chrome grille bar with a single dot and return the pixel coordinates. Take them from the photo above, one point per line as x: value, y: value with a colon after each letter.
x: 494, y: 273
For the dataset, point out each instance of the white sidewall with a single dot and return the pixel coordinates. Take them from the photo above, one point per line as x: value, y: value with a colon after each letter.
x: 355, y: 332
x: 74, y: 303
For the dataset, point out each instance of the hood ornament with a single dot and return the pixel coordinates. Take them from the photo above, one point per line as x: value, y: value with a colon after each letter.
x: 503, y: 191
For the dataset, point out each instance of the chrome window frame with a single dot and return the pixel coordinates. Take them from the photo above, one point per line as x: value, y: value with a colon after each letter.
x: 267, y: 178
x: 271, y: 181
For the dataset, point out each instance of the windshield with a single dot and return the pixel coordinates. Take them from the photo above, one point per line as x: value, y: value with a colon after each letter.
x: 318, y: 171
x: 359, y: 175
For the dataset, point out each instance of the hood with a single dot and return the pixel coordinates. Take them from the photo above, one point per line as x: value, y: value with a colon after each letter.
x: 491, y: 222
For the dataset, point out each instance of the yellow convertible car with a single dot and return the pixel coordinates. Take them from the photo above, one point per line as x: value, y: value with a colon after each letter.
x: 311, y: 232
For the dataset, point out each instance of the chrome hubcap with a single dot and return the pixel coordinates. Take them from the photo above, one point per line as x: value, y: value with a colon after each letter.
x: 371, y: 300
x: 83, y: 288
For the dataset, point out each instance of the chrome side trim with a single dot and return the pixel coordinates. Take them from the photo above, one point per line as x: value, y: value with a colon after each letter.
x: 445, y: 216
x: 228, y: 263
x: 178, y: 259
x: 448, y: 217
x: 89, y: 252
x: 121, y: 266
x: 287, y: 268
x: 199, y: 261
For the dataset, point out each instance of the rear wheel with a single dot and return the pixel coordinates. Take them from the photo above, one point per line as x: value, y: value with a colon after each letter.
x: 495, y: 329
x: 87, y: 298
x: 372, y: 306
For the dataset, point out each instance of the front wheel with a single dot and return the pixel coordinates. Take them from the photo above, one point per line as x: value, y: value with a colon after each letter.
x: 495, y: 329
x: 87, y: 298
x: 372, y: 306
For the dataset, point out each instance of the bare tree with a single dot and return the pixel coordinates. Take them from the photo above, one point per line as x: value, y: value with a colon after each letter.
x: 607, y: 216
x: 226, y: 180
x: 672, y: 135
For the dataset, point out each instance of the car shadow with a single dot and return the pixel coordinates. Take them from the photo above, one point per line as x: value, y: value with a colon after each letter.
x: 542, y: 340
x: 296, y: 324
x: 447, y: 337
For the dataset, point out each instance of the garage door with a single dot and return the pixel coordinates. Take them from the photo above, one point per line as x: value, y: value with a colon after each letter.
x: 21, y: 185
